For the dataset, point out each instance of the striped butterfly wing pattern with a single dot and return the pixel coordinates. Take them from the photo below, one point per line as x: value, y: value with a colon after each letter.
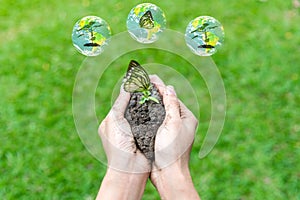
x: 136, y: 78
x: 147, y: 21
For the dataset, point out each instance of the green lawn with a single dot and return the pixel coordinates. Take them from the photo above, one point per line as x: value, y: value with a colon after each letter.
x: 257, y: 155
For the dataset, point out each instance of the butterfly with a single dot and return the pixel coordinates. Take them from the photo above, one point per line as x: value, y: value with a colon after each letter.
x: 136, y: 78
x: 147, y: 21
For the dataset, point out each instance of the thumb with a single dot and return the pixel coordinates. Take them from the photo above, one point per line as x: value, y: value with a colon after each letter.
x: 158, y: 83
x: 188, y: 117
x: 121, y: 102
x: 185, y: 113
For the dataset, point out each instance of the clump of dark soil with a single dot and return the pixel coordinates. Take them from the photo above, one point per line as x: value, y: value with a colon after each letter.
x: 145, y: 119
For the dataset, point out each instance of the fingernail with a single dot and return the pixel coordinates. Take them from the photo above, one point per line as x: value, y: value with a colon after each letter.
x: 170, y: 90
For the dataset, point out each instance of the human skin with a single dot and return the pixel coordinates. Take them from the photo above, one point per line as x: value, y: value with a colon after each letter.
x: 128, y: 169
x: 170, y: 172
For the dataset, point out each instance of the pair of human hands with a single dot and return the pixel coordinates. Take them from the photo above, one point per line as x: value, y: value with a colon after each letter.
x: 173, y: 143
x: 174, y: 137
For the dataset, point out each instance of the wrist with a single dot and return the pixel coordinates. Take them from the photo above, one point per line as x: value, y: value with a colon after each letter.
x: 170, y: 175
x: 125, y: 177
x: 174, y: 182
x: 119, y: 185
x: 129, y: 162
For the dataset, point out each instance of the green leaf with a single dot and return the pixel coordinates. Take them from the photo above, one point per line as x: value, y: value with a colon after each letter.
x: 143, y: 100
x: 153, y: 99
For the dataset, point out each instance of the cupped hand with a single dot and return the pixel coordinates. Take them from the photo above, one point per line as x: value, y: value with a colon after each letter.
x: 170, y: 172
x: 118, y: 141
x: 175, y: 136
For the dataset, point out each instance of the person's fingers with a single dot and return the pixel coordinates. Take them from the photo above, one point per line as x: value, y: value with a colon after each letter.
x: 184, y: 111
x: 158, y: 83
x: 155, y: 79
x: 171, y: 104
x: 102, y: 128
x: 187, y: 116
x: 121, y: 102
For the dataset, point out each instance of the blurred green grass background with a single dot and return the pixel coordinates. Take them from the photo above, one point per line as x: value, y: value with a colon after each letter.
x: 257, y: 155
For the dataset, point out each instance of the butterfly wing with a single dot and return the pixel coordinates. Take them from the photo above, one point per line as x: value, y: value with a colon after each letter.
x: 136, y: 79
x: 147, y: 21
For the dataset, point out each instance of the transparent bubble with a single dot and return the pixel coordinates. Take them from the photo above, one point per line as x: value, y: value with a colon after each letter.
x: 204, y: 35
x: 146, y: 22
x: 90, y: 35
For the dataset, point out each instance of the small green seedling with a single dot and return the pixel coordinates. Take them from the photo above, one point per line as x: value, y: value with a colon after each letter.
x: 89, y: 27
x: 146, y: 97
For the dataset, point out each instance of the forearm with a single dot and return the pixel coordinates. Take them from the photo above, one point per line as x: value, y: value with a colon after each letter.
x: 122, y: 185
x: 175, y: 183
